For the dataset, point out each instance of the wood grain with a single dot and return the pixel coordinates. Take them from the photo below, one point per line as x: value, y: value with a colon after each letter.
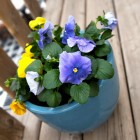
x: 10, y: 128
x: 14, y: 23
x: 129, y: 29
x: 75, y: 8
x: 53, y: 11
x: 34, y: 7
x: 49, y: 133
x: 32, y: 125
x: 8, y: 70
x: 120, y: 125
x: 69, y: 136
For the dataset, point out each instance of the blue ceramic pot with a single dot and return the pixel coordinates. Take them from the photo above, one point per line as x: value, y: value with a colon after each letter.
x: 75, y: 117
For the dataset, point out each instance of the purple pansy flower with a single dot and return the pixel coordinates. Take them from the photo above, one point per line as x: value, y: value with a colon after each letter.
x: 83, y: 44
x: 112, y: 21
x: 69, y: 29
x: 45, y: 34
x: 73, y: 67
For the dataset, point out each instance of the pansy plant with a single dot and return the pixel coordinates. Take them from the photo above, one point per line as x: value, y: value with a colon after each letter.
x: 62, y: 65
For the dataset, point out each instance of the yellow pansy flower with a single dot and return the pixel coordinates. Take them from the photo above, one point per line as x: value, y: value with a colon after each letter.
x: 24, y: 62
x: 18, y: 108
x: 28, y: 53
x: 36, y: 22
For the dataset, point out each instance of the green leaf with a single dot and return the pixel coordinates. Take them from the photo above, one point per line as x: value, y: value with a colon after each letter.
x: 102, y: 20
x: 42, y: 97
x: 35, y: 49
x: 51, y: 79
x: 104, y: 70
x: 100, y: 42
x: 34, y: 35
x: 35, y: 66
x: 94, y: 89
x: 67, y: 49
x: 106, y: 34
x: 80, y: 93
x: 57, y: 30
x: 24, y: 97
x: 92, y: 31
x: 102, y: 50
x: 94, y: 65
x: 52, y: 49
x: 92, y: 23
x: 53, y: 99
x: 47, y: 66
x: 15, y: 85
x: 87, y: 36
x: 8, y: 82
x: 77, y: 30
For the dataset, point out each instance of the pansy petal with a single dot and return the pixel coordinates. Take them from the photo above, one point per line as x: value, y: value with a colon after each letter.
x: 33, y: 85
x: 87, y: 48
x: 48, y: 25
x: 112, y: 21
x: 71, y: 41
x: 85, y: 45
x: 69, y: 29
x: 45, y: 34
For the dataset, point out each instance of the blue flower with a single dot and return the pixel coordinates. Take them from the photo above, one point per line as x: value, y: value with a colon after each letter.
x: 112, y: 21
x: 45, y: 34
x: 73, y: 67
x: 69, y: 29
x: 83, y: 44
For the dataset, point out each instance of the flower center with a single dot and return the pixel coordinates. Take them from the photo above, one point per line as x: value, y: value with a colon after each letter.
x: 75, y: 70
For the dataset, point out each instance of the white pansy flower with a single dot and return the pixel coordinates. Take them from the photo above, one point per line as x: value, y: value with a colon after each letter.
x: 112, y: 21
x: 33, y: 85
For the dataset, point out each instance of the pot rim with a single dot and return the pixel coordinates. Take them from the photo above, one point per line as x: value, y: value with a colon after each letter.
x: 66, y: 107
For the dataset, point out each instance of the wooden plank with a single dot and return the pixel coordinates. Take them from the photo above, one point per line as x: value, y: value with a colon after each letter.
x: 75, y: 8
x: 129, y: 27
x: 14, y: 23
x: 49, y: 133
x: 34, y: 7
x: 120, y: 125
x: 69, y: 136
x: 8, y: 70
x: 32, y: 125
x: 10, y: 128
x: 53, y: 10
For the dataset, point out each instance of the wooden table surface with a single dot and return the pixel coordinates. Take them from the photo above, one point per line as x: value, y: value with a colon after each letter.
x: 124, y: 123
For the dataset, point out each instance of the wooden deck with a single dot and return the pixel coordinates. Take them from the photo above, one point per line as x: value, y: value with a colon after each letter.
x: 124, y: 123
